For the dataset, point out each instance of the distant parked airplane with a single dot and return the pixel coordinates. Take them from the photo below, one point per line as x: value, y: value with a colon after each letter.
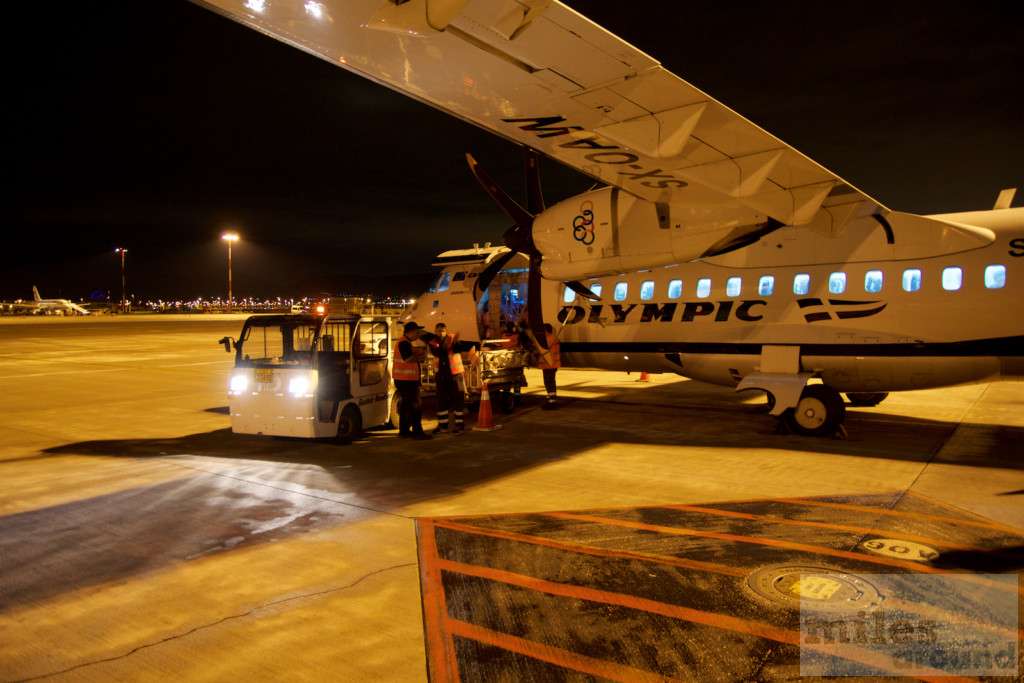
x: 48, y: 306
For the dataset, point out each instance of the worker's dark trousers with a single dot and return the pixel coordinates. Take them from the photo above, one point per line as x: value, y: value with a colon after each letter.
x: 410, y: 412
x: 451, y: 395
x: 549, y: 383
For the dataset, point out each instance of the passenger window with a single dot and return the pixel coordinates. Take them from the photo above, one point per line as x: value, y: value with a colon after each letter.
x: 620, y: 291
x: 675, y: 289
x: 952, y: 278
x: 704, y: 287
x: 766, y: 285
x: 733, y: 286
x: 596, y: 288
x: 995, y: 277
x: 442, y: 284
x: 802, y: 283
x: 569, y: 296
x: 647, y: 290
x: 837, y: 283
x: 911, y: 280
x: 873, y: 281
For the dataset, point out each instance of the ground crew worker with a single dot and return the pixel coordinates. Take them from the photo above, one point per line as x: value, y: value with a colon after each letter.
x: 549, y: 361
x: 450, y: 377
x: 406, y: 374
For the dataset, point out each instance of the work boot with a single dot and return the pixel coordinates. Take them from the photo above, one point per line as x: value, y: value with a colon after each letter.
x: 422, y: 437
x: 458, y: 429
x: 441, y: 429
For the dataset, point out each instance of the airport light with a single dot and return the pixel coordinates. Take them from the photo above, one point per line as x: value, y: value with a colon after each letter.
x: 124, y: 300
x: 229, y: 237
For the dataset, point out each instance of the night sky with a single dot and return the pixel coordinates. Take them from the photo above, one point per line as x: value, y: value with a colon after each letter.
x: 158, y: 125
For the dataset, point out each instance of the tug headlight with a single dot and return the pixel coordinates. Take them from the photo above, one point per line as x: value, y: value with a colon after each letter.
x: 239, y: 383
x: 301, y: 385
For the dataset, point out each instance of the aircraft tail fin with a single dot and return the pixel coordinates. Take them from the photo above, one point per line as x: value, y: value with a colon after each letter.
x: 1005, y: 198
x: 35, y: 294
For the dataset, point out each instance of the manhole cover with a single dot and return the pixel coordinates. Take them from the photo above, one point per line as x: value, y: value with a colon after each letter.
x: 814, y: 588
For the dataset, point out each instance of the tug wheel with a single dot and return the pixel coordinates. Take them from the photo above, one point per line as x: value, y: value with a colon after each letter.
x: 350, y: 424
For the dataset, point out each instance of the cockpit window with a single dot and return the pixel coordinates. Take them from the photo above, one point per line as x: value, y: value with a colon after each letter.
x: 442, y: 283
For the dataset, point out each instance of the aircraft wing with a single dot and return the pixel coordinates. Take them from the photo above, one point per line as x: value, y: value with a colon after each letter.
x: 540, y: 74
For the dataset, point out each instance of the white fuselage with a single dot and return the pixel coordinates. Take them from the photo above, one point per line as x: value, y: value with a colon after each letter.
x: 866, y: 314
x: 877, y: 309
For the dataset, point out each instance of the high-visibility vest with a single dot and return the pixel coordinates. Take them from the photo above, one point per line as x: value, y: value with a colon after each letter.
x: 552, y: 358
x: 404, y: 370
x: 454, y: 359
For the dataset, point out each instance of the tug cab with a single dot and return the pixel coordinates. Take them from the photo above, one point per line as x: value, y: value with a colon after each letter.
x: 310, y: 376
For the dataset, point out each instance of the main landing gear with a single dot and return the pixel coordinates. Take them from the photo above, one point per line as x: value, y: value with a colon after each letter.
x: 820, y: 411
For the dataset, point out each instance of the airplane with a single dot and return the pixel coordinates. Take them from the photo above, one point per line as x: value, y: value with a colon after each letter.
x: 713, y: 249
x: 48, y: 306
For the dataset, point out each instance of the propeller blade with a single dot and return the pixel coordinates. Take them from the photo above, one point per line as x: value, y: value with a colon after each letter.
x: 534, y: 314
x: 484, y: 279
x: 582, y: 290
x: 519, y: 215
x: 534, y: 196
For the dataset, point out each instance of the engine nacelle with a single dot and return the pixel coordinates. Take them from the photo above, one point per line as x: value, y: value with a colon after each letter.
x: 609, y: 231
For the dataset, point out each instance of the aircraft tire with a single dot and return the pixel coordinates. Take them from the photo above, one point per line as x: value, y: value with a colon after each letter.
x: 350, y: 424
x: 866, y: 399
x: 819, y: 412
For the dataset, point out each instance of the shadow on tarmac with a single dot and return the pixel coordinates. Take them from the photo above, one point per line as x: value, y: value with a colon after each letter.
x: 236, y: 490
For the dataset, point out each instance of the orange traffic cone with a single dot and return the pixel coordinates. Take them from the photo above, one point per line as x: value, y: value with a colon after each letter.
x: 484, y: 418
x: 644, y: 377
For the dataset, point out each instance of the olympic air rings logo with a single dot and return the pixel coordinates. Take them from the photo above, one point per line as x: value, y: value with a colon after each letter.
x: 583, y: 224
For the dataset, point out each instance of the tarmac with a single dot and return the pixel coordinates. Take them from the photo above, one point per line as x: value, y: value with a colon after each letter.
x: 661, y: 530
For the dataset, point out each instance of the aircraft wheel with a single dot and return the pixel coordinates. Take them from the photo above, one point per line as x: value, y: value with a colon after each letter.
x: 350, y: 424
x: 508, y: 402
x: 866, y: 399
x: 819, y: 412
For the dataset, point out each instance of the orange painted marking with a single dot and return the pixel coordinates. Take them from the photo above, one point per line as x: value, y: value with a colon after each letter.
x: 993, y: 524
x: 897, y: 513
x: 885, y: 533
x: 915, y: 567
x: 555, y: 655
x: 712, y: 619
x: 591, y: 549
x: 441, y: 661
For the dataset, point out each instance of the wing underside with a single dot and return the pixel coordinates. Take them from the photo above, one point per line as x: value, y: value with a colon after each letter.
x: 540, y: 74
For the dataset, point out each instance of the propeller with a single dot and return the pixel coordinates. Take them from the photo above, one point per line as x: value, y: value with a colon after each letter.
x: 518, y: 238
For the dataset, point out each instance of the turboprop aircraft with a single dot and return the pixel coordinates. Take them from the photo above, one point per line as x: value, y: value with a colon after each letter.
x: 715, y: 250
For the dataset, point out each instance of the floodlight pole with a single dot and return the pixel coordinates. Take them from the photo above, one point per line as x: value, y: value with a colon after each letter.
x: 229, y: 237
x: 124, y: 301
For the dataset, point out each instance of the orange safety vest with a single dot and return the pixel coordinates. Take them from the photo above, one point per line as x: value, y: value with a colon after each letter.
x: 454, y: 359
x: 552, y: 358
x: 404, y: 370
